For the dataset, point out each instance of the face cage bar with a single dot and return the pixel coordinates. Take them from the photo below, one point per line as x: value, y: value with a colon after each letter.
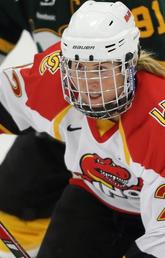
x: 104, y: 110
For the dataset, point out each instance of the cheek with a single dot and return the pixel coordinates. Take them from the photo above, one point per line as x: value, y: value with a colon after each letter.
x: 111, y: 86
x: 114, y: 82
x: 108, y: 84
x: 120, y: 79
x: 75, y: 81
x: 81, y: 85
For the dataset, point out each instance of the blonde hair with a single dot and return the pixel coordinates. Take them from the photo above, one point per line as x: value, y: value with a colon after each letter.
x: 147, y: 62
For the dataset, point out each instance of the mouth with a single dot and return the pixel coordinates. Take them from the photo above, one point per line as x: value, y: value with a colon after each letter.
x: 112, y: 179
x: 93, y: 99
x: 94, y: 95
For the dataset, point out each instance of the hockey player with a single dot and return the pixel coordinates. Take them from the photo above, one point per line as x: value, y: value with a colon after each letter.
x: 46, y: 20
x: 113, y: 127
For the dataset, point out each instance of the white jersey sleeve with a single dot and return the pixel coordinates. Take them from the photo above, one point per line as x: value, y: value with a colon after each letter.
x: 13, y: 97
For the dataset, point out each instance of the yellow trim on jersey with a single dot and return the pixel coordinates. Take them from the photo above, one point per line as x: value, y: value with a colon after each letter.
x: 4, y: 130
x: 57, y: 121
x: 126, y: 150
x: 5, y: 46
x: 28, y: 233
x: 104, y: 125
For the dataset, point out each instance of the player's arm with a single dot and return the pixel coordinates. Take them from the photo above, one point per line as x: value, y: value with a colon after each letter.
x: 32, y: 94
x: 16, y: 114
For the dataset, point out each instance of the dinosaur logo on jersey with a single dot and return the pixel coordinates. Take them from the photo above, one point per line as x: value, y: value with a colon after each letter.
x: 105, y: 171
x: 109, y: 178
x: 50, y: 63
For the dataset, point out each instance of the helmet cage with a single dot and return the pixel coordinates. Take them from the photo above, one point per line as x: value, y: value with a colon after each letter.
x: 72, y: 77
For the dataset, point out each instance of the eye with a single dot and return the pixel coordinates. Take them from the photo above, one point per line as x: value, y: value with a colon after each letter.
x: 80, y: 67
x: 103, y: 68
x: 76, y: 66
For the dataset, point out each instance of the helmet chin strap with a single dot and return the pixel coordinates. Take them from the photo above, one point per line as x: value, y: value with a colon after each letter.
x: 109, y: 111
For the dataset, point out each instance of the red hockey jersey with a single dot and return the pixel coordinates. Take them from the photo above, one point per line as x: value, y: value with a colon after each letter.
x: 122, y: 164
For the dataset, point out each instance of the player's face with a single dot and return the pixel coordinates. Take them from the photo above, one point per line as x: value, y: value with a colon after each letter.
x: 97, y: 83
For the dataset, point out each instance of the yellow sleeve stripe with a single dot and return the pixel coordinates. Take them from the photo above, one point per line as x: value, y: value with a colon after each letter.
x: 126, y: 150
x: 5, y: 46
x: 4, y: 130
x: 57, y: 121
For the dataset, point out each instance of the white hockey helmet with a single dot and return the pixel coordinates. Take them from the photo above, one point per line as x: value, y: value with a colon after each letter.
x: 100, y: 32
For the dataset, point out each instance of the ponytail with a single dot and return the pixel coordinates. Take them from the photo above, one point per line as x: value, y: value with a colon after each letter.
x: 147, y: 62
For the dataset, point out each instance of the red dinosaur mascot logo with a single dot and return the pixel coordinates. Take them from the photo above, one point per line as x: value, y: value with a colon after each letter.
x: 95, y: 168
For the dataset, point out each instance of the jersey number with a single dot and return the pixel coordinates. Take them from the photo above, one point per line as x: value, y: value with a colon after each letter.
x: 144, y: 21
x: 160, y: 193
x: 158, y: 115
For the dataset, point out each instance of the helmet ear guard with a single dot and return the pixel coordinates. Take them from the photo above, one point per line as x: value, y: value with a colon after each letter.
x: 97, y: 37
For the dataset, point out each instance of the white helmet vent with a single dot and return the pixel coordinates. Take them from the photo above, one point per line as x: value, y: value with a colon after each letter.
x: 121, y: 42
x: 114, y: 46
x: 111, y: 22
x: 111, y: 47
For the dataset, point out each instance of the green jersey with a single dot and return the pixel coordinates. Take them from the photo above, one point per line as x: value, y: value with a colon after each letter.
x: 46, y: 20
x: 150, y: 19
